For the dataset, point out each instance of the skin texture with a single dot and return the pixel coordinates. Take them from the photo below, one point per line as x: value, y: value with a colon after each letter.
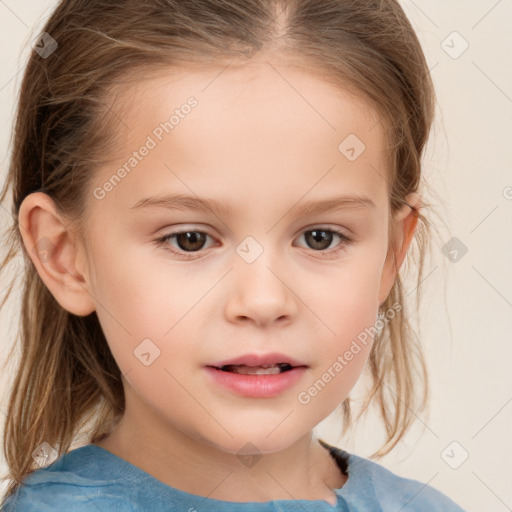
x: 265, y: 142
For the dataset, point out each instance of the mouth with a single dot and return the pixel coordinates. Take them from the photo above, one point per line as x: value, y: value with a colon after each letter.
x: 270, y: 363
x: 257, y: 376
x: 243, y: 369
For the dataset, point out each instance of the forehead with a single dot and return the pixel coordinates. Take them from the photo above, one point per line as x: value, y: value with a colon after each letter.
x: 266, y: 127
x: 262, y: 88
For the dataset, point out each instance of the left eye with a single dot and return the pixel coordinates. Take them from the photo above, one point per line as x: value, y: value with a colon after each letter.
x: 319, y: 237
x: 190, y: 241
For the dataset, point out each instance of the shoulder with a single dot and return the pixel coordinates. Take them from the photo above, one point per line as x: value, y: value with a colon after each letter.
x: 392, y: 491
x: 56, y: 497
x: 371, y: 486
x: 72, y: 482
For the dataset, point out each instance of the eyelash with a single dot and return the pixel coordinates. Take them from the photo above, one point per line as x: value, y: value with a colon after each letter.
x: 345, y: 241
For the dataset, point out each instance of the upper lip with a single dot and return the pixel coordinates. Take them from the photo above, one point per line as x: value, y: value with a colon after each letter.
x: 259, y: 360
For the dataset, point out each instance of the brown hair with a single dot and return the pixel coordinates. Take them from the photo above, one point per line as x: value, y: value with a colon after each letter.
x: 67, y: 376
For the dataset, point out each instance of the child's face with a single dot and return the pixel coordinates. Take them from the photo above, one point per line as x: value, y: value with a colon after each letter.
x: 263, y: 141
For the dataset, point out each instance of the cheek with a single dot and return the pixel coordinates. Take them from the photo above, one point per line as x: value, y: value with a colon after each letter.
x: 343, y: 349
x: 148, y: 313
x: 133, y: 286
x: 346, y: 300
x: 347, y: 304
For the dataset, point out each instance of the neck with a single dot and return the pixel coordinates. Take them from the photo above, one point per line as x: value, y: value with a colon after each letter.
x: 304, y: 470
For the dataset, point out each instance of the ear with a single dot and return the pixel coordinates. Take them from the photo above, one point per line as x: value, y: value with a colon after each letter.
x: 406, y: 220
x: 52, y: 248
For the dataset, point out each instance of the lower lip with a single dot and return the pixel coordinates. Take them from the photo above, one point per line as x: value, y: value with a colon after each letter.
x: 257, y: 386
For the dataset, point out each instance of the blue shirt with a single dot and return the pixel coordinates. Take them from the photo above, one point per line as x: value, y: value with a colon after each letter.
x: 92, y: 479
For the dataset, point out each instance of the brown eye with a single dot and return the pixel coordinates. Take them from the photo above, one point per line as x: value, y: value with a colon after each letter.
x: 320, y: 239
x: 188, y: 241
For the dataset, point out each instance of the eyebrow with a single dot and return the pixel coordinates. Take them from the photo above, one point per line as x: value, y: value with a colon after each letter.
x: 187, y: 202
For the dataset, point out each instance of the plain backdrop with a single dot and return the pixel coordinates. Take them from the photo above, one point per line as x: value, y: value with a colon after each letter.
x: 463, y: 446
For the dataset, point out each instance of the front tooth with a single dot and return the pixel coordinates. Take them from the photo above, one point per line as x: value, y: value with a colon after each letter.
x: 257, y: 370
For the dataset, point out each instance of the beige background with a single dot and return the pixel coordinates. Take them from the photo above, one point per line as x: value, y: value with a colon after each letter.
x: 467, y: 333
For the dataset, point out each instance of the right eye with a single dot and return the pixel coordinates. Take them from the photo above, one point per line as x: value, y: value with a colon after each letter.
x: 189, y: 241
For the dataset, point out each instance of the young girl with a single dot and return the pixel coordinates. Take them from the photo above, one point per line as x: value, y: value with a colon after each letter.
x: 213, y: 199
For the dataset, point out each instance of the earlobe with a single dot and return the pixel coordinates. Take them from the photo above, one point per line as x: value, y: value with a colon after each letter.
x: 51, y: 247
x: 406, y: 220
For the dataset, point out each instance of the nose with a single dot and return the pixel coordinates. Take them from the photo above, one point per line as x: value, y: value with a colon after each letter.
x: 261, y: 292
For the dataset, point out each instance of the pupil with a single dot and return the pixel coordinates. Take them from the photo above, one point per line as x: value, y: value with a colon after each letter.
x: 190, y: 237
x: 319, y: 236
